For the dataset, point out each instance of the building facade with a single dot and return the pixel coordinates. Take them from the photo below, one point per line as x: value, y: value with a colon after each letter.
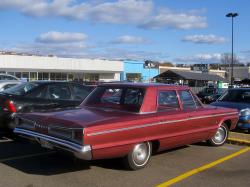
x: 239, y: 73
x: 54, y: 68
x: 139, y: 71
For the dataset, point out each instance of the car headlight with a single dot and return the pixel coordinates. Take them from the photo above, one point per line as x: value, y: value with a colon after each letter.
x: 245, y: 112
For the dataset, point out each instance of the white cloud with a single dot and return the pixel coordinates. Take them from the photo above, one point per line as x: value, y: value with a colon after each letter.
x: 142, y: 13
x: 122, y: 11
x: 201, y: 39
x: 61, y: 37
x: 170, y: 19
x: 118, y: 53
x: 201, y: 58
x: 126, y: 39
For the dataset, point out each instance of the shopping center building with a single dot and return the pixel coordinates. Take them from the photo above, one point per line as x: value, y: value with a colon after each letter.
x: 32, y: 67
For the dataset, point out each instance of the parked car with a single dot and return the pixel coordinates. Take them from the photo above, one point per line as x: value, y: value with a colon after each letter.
x: 39, y: 95
x: 7, y: 77
x: 210, y: 94
x: 8, y: 84
x: 238, y: 98
x: 129, y: 121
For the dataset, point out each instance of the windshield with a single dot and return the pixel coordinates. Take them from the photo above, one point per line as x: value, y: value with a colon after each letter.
x: 126, y: 99
x: 21, y: 89
x: 236, y: 96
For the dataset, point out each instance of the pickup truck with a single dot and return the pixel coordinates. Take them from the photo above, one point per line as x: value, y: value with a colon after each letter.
x: 129, y: 120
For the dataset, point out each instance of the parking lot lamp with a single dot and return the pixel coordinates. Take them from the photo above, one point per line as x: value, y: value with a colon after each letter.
x: 232, y: 15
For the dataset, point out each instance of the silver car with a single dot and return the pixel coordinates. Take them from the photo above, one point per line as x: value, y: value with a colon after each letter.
x: 5, y: 84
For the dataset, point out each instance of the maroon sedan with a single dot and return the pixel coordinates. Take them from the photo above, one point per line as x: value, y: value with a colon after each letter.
x: 129, y: 121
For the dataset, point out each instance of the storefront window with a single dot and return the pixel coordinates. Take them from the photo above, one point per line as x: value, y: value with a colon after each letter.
x: 133, y: 77
x: 45, y: 76
x: 64, y: 76
x: 52, y: 76
x: 25, y: 76
x: 18, y: 75
x: 58, y: 76
x: 91, y: 77
x: 70, y: 77
x: 33, y: 76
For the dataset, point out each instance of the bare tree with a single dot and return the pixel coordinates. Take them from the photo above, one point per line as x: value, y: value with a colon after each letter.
x: 226, y: 59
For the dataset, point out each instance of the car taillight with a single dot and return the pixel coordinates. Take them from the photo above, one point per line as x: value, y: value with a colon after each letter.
x: 9, y: 106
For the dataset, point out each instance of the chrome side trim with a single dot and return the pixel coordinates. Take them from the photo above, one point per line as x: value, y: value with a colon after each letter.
x: 157, y: 123
x: 83, y: 152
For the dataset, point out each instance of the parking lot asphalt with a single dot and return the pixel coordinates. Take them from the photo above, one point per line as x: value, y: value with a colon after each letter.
x: 25, y: 164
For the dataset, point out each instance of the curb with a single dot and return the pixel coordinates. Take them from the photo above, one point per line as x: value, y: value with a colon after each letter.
x: 238, y: 141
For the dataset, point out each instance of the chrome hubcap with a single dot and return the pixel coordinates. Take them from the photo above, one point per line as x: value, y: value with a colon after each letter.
x: 220, y: 135
x: 141, y: 154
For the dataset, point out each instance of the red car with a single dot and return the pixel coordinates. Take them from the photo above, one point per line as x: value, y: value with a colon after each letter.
x: 129, y: 121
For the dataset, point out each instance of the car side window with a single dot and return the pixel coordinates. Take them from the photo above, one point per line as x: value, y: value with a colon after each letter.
x: 80, y: 92
x: 187, y: 100
x: 59, y: 91
x: 167, y: 100
x: 197, y: 102
x: 40, y: 92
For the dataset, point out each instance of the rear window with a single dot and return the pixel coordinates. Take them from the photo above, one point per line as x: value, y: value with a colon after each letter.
x: 126, y: 99
x: 21, y: 89
x: 236, y: 96
x: 81, y: 92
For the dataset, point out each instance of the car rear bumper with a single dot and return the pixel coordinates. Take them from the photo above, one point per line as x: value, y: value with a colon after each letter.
x: 80, y: 151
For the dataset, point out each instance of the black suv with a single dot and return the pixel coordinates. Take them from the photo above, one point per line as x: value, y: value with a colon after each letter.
x: 39, y: 96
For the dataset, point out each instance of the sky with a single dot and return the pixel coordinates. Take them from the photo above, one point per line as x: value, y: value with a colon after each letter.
x: 178, y: 31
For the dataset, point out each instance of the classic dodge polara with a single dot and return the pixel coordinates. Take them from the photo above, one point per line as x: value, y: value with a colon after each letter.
x: 131, y: 121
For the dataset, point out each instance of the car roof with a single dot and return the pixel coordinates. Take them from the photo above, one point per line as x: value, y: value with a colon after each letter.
x: 145, y: 85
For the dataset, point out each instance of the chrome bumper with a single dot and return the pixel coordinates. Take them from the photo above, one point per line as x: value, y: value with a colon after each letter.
x: 80, y: 151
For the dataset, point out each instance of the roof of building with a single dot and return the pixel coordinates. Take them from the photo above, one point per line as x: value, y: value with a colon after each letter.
x: 189, y: 75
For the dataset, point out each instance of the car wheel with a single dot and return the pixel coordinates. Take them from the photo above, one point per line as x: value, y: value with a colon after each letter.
x: 220, y: 136
x: 139, y: 156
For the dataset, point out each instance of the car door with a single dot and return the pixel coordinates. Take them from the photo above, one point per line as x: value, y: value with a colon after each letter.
x: 199, y: 121
x: 60, y: 95
x: 173, y: 119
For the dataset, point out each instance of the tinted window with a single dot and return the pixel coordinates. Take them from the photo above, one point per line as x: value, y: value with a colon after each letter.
x: 236, y: 96
x: 81, y: 92
x: 187, y: 100
x: 59, y: 91
x: 40, y: 92
x: 21, y: 89
x: 167, y: 100
x: 128, y: 99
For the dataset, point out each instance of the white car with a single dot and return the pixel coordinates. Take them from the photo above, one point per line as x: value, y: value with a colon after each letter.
x: 6, y: 77
x: 8, y: 84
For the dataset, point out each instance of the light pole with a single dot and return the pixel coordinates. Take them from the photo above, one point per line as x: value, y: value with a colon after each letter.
x: 232, y: 15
